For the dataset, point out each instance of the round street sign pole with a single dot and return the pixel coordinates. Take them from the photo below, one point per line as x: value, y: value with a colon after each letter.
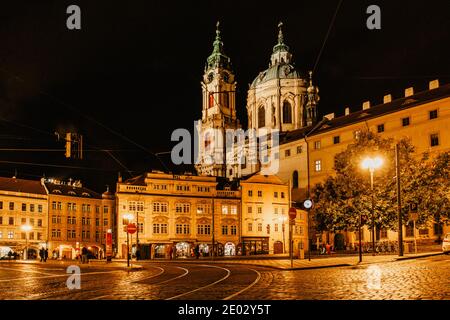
x: 292, y: 216
x: 131, y: 228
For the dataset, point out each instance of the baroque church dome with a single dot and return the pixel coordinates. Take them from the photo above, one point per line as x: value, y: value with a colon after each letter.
x: 280, y: 64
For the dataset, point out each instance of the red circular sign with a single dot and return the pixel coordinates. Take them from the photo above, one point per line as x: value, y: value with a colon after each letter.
x: 131, y: 228
x: 292, y: 213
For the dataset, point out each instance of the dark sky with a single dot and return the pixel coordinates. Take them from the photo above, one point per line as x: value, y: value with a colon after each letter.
x: 135, y: 69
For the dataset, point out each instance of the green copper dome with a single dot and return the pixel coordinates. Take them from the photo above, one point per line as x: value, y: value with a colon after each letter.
x: 218, y: 58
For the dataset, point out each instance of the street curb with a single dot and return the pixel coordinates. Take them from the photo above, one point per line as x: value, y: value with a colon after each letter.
x: 261, y: 265
x: 418, y: 257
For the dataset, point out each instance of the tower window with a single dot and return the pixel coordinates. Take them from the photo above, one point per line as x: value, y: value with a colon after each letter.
x: 225, y: 100
x: 261, y: 117
x: 211, y: 100
x: 287, y: 112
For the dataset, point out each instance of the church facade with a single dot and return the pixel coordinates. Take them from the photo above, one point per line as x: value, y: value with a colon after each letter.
x: 284, y: 100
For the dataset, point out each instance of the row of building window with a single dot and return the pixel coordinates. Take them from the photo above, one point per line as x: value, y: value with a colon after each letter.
x: 72, y: 234
x: 11, y: 221
x: 23, y: 235
x: 259, y: 210
x: 181, y: 188
x: 84, y: 220
x: 31, y: 206
x: 260, y: 194
x: 163, y: 207
x: 297, y: 229
x: 406, y: 121
x: 73, y: 207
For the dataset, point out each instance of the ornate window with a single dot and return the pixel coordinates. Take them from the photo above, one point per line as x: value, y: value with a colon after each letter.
x: 261, y: 117
x: 287, y: 112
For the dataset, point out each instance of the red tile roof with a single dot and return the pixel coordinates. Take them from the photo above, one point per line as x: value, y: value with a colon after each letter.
x: 22, y: 185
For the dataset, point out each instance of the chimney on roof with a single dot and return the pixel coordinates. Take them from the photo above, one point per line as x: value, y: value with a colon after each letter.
x: 366, y: 105
x: 119, y: 178
x: 347, y: 111
x: 329, y: 116
x: 387, y: 98
x: 434, y: 84
x: 409, y: 91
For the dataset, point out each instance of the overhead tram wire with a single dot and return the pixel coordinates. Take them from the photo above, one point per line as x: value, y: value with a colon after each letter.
x: 48, y: 133
x: 54, y: 165
x: 326, y: 36
x: 61, y: 102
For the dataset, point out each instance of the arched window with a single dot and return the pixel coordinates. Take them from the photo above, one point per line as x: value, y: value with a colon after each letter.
x: 295, y: 179
x: 287, y: 112
x: 211, y: 100
x: 261, y: 117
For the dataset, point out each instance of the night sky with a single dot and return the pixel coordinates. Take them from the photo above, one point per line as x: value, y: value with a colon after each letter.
x: 132, y: 74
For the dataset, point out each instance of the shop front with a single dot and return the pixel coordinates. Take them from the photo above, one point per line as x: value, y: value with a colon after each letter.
x: 183, y: 250
x: 255, y: 245
x: 229, y: 249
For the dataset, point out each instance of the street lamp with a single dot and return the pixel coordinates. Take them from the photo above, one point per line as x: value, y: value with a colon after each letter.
x: 128, y: 217
x: 371, y: 164
x: 27, y: 228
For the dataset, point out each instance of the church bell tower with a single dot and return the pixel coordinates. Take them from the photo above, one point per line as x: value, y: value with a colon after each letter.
x: 218, y: 110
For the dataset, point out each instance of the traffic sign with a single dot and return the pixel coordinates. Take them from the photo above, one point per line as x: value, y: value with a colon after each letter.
x: 131, y: 228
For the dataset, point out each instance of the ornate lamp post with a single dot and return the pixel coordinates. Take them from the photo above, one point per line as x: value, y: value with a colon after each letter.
x: 371, y: 164
x: 128, y: 217
x: 27, y: 228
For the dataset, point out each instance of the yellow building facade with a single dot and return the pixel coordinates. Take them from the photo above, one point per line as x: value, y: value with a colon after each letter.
x: 78, y: 217
x: 176, y: 214
x: 23, y: 203
x: 423, y: 117
x: 265, y: 220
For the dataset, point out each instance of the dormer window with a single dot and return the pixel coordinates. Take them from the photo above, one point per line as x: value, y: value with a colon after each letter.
x: 72, y: 193
x: 57, y: 191
x: 85, y: 194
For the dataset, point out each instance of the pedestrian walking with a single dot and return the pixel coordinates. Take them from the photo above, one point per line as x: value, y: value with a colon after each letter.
x: 41, y: 254
x: 45, y: 255
x: 197, y: 251
x: 84, y: 253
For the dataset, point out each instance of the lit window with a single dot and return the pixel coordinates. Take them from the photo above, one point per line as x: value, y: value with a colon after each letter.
x: 287, y: 153
x: 250, y: 227
x: 259, y: 193
x: 317, y: 145
x: 318, y: 165
x: 259, y: 209
x: 224, y: 209
x: 299, y: 149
